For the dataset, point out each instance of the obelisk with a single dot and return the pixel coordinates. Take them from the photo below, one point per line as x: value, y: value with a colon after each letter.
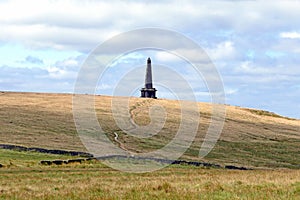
x: 148, y: 91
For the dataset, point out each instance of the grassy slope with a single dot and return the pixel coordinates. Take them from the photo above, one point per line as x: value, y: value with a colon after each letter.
x: 249, y: 138
x: 25, y: 179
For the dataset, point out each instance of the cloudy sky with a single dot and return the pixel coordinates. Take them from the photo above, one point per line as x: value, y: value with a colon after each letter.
x: 255, y: 45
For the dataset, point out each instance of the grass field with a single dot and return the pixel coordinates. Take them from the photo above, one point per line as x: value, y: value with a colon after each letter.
x: 22, y: 177
x: 261, y: 140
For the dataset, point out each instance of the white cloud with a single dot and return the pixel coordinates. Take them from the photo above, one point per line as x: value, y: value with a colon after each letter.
x: 177, y: 55
x: 290, y: 35
x: 230, y: 91
x: 104, y: 86
x: 55, y: 72
x: 248, y: 68
x: 163, y: 56
x: 66, y: 69
x: 81, y: 25
x: 223, y: 51
x: 252, y: 68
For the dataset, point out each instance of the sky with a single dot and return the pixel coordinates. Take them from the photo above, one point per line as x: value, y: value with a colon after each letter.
x: 255, y: 46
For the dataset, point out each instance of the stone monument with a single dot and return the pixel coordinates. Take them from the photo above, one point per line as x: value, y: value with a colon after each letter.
x: 148, y: 91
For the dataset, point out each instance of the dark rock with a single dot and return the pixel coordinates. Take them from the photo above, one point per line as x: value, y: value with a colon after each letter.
x: 79, y: 160
x: 58, y: 162
x: 46, y: 162
x: 235, y: 167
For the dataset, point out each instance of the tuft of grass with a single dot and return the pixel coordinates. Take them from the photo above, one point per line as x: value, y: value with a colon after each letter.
x: 267, y: 113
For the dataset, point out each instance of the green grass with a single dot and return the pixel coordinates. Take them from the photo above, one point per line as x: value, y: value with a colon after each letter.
x: 12, y: 158
x: 258, y: 154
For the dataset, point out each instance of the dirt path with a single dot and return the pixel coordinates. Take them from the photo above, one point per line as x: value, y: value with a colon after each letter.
x: 120, y: 143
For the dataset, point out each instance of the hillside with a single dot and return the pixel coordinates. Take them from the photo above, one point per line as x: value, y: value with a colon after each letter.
x: 250, y: 137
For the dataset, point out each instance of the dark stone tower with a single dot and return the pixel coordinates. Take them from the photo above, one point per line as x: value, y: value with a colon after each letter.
x: 148, y: 91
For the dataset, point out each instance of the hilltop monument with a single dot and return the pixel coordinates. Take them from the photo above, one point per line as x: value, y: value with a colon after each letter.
x: 148, y: 91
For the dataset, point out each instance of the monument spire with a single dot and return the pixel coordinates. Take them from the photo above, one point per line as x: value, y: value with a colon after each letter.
x: 148, y: 91
x: 148, y: 77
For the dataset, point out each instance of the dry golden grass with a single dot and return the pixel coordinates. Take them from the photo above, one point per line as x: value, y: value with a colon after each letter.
x: 43, y: 120
x: 249, y: 138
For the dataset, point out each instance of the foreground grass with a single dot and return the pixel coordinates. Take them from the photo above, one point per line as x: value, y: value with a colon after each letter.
x: 93, y: 180
x: 90, y: 182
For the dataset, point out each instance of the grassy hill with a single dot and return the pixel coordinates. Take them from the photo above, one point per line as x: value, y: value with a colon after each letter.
x: 250, y: 137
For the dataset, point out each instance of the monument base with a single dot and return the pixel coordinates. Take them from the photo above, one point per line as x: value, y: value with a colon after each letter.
x: 148, y: 93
